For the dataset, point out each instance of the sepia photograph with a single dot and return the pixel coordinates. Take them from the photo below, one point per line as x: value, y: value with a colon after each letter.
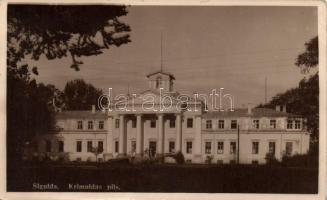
x: 162, y: 99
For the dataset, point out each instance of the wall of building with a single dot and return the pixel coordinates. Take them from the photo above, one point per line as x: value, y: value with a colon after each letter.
x: 299, y: 139
x: 280, y: 135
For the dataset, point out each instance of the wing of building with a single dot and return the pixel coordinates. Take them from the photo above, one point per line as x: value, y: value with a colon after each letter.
x: 157, y: 122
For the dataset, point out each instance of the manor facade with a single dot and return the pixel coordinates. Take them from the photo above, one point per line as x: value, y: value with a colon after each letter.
x: 244, y: 135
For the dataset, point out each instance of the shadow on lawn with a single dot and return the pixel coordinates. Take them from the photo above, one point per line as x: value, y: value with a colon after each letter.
x: 167, y: 178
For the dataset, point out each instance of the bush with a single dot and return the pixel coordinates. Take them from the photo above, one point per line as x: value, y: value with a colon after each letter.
x: 63, y: 157
x: 209, y: 159
x: 124, y: 160
x: 271, y: 159
x: 179, y: 157
x: 306, y: 160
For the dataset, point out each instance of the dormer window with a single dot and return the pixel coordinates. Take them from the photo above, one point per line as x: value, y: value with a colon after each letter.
x: 158, y: 82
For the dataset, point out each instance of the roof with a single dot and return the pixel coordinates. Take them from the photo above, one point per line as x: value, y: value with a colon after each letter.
x: 161, y: 72
x: 243, y: 112
x: 83, y: 114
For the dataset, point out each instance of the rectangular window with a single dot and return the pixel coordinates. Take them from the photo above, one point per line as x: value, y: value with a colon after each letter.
x: 189, y: 122
x: 208, y: 147
x: 61, y: 146
x: 90, y: 124
x: 89, y: 146
x: 117, y: 123
x: 153, y: 124
x: 133, y: 145
x: 220, y: 147
x: 101, y: 125
x: 232, y: 147
x: 171, y: 147
x: 289, y: 124
x: 79, y: 124
x: 79, y: 146
x: 297, y: 124
x: 48, y: 146
x: 289, y: 148
x: 189, y: 147
x: 116, y: 146
x: 209, y: 124
x: 172, y: 123
x: 221, y: 124
x: 256, y: 123
x: 255, y: 147
x: 100, y: 146
x: 272, y: 148
x: 272, y: 123
x: 133, y: 123
x: 233, y: 124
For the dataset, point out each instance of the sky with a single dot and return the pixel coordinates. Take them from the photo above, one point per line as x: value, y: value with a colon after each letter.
x: 205, y: 48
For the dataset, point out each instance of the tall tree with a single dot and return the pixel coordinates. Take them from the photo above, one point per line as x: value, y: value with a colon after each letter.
x: 61, y: 31
x: 55, y: 32
x: 310, y: 58
x: 304, y: 99
x: 29, y: 111
x: 79, y: 95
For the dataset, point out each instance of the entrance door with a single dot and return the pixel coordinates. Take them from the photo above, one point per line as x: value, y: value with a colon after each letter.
x: 153, y: 148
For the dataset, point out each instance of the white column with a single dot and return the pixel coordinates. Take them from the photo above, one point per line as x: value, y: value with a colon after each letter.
x: 139, y: 138
x: 161, y: 137
x: 122, y: 149
x: 109, y: 135
x: 178, y: 132
x: 197, y: 140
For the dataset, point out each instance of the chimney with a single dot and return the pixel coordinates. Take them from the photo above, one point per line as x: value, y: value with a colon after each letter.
x: 249, y: 109
x: 93, y: 108
x: 284, y: 108
x: 278, y: 108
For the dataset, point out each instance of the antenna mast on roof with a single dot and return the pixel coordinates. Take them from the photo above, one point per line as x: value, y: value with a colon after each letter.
x: 266, y: 90
x: 161, y: 53
x: 127, y: 89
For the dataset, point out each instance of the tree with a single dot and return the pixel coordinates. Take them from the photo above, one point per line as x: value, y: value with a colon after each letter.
x: 310, y: 58
x: 79, y: 95
x: 29, y: 111
x: 304, y: 99
x: 54, y: 32
x: 59, y: 31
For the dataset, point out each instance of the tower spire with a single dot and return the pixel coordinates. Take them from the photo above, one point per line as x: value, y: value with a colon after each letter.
x: 266, y: 90
x: 161, y: 53
x: 128, y: 89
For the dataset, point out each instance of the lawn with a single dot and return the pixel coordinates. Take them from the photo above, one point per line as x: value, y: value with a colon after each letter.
x: 167, y: 178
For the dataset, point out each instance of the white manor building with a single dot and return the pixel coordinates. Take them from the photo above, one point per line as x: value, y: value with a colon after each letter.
x: 196, y: 133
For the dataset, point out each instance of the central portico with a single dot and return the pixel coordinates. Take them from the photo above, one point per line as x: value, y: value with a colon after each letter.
x: 152, y: 122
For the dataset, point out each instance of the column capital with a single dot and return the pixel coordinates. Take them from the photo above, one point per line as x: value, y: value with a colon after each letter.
x: 160, y: 114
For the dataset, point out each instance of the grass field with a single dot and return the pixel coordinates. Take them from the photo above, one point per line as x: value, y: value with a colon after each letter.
x: 168, y: 178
